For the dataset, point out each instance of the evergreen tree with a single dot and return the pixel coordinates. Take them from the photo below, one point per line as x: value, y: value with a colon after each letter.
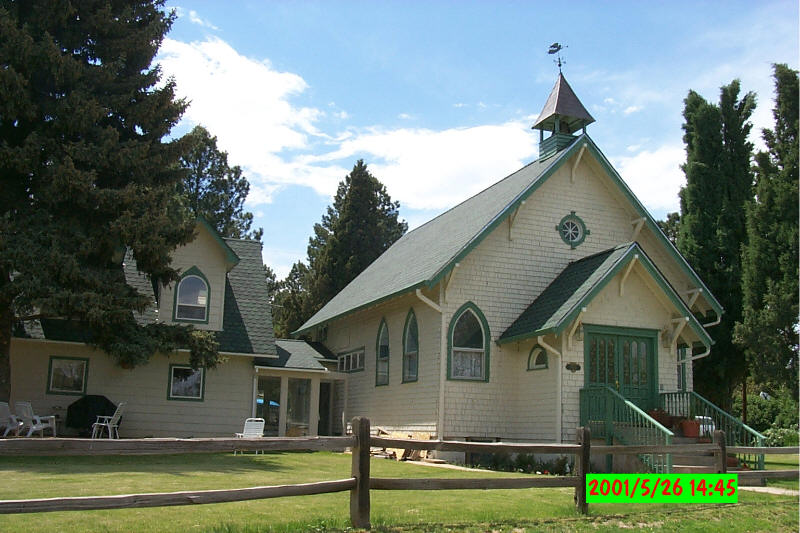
x: 361, y: 225
x: 289, y: 306
x: 768, y: 330
x: 712, y: 229
x: 85, y: 173
x: 671, y: 226
x: 215, y: 190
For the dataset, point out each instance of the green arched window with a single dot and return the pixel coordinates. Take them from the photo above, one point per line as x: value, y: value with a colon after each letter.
x: 537, y: 359
x: 192, y: 297
x: 382, y: 355
x: 410, y: 348
x: 468, y: 343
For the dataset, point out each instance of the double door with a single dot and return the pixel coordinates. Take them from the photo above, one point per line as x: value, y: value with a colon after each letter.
x: 625, y: 361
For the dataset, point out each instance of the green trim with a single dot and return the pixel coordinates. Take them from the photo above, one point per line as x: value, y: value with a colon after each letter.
x: 194, y: 271
x: 50, y: 376
x: 230, y: 256
x: 500, y: 217
x: 487, y: 335
x: 362, y: 349
x: 172, y: 398
x: 533, y: 366
x: 409, y: 316
x: 654, y: 228
x: 600, y: 285
x: 371, y: 303
x: 377, y: 352
x: 578, y: 220
x: 650, y: 334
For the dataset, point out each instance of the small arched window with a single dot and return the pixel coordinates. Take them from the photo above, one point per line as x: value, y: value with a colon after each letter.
x: 410, y: 349
x: 191, y: 301
x: 537, y: 359
x: 469, y: 347
x: 382, y: 355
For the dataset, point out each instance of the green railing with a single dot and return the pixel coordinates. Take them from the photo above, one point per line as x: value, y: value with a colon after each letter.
x: 609, y: 415
x: 689, y: 404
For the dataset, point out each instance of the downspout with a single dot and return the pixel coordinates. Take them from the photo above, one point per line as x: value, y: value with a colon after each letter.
x: 442, y: 369
x: 698, y: 356
x: 559, y: 399
x: 714, y: 323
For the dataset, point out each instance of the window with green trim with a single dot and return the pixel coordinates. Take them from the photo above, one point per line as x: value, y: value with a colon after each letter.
x: 469, y: 349
x: 67, y: 375
x: 191, y: 301
x: 382, y: 355
x: 351, y: 361
x: 537, y: 359
x: 186, y: 383
x: 411, y: 349
x: 572, y: 230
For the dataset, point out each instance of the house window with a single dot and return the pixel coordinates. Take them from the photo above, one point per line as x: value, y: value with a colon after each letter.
x: 469, y: 353
x: 410, y: 349
x: 351, y: 361
x: 191, y: 300
x: 67, y: 375
x: 186, y: 383
x: 382, y: 355
x: 572, y: 230
x: 537, y: 359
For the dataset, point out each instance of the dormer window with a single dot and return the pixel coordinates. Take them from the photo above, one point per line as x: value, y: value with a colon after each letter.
x: 191, y: 301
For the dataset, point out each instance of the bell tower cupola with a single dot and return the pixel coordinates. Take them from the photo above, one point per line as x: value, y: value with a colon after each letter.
x: 563, y: 116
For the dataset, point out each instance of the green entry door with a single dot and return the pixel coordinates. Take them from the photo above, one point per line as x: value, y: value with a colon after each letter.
x: 625, y: 362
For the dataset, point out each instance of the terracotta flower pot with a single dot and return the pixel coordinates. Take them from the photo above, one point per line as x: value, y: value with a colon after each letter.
x: 690, y: 428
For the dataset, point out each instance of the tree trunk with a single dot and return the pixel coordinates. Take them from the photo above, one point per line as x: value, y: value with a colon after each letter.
x: 744, y: 399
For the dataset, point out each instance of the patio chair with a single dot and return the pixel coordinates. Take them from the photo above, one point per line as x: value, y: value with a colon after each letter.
x: 110, y: 423
x: 8, y: 421
x: 253, y: 428
x: 33, y: 422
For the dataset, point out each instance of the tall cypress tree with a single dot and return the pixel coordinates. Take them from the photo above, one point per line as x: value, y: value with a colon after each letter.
x: 768, y: 330
x: 712, y: 229
x: 85, y: 173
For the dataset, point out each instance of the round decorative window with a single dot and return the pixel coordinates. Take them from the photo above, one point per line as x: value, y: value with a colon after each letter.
x: 572, y: 230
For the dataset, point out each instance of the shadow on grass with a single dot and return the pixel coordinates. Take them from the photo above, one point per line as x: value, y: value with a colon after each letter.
x: 177, y: 465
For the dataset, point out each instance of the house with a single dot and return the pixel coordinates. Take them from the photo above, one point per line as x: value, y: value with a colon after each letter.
x: 506, y: 316
x: 222, y: 289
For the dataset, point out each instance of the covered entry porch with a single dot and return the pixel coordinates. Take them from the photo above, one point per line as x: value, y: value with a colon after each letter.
x: 300, y: 393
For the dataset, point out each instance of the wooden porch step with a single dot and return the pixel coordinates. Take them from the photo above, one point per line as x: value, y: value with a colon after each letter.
x: 694, y: 460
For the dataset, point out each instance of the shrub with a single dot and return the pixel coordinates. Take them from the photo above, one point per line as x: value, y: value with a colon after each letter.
x: 776, y: 436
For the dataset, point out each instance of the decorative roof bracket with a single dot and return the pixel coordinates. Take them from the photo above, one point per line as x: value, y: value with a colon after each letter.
x: 625, y: 274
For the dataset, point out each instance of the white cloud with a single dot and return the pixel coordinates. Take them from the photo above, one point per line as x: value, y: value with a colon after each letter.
x: 196, y: 19
x: 632, y: 109
x: 654, y: 176
x: 404, y: 116
x: 429, y: 169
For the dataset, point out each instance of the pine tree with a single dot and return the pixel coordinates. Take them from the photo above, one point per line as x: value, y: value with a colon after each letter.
x: 768, y: 330
x: 215, y: 190
x: 289, y: 308
x: 671, y: 226
x: 712, y: 229
x: 85, y: 173
x: 362, y: 224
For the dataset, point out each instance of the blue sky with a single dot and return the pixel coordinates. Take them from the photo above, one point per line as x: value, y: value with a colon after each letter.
x: 438, y: 97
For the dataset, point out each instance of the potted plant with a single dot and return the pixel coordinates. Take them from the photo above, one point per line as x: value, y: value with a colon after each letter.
x: 690, y: 428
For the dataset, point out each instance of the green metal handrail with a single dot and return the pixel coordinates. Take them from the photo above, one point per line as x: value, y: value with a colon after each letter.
x: 689, y: 404
x: 609, y: 415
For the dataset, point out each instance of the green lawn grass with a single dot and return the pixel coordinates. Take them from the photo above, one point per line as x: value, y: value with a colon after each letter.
x: 782, y: 462
x: 490, y: 510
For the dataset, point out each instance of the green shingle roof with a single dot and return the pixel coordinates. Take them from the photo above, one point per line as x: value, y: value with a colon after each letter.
x: 423, y: 256
x: 295, y: 354
x: 560, y: 303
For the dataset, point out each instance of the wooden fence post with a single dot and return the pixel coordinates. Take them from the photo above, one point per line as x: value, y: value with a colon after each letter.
x: 582, y: 466
x: 359, y: 495
x: 722, y: 454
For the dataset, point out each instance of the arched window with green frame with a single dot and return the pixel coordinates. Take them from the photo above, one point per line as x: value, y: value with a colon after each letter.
x: 410, y: 348
x: 468, y: 345
x: 382, y: 355
x: 192, y: 297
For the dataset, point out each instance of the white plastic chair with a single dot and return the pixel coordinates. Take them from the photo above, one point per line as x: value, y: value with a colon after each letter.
x: 8, y: 421
x: 253, y: 428
x: 110, y: 423
x: 33, y: 422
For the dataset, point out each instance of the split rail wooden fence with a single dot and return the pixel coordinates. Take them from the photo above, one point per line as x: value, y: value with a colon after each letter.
x: 360, y: 483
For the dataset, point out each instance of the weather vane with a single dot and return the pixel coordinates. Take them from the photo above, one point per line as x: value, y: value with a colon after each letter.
x: 556, y: 48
